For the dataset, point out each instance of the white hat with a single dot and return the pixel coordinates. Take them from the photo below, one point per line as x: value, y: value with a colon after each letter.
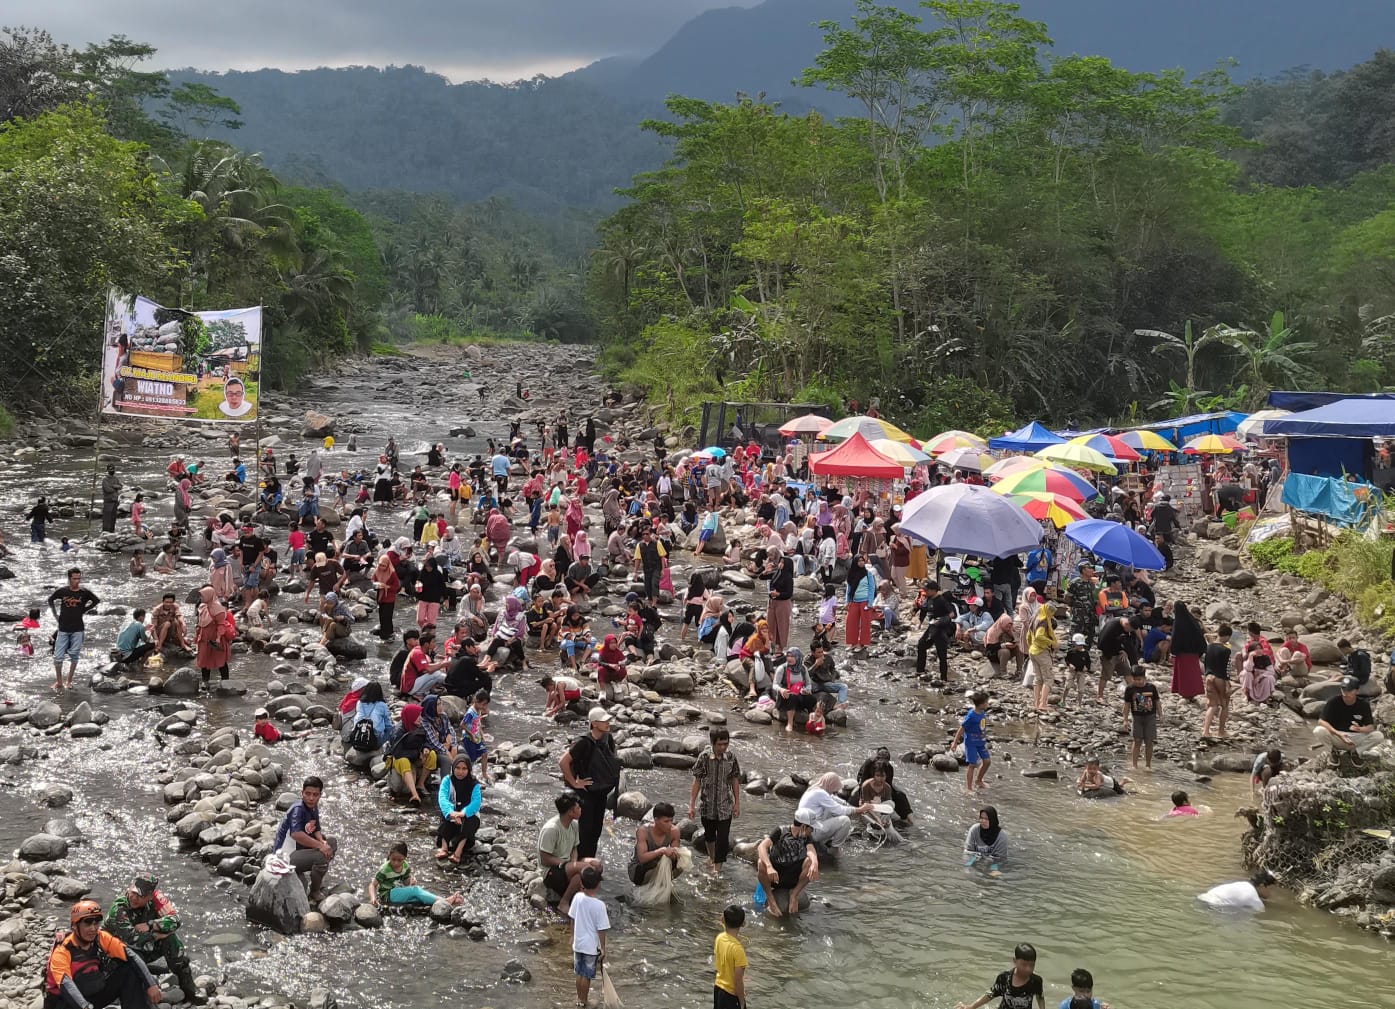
x: 1077, y: 639
x: 598, y: 714
x: 804, y: 816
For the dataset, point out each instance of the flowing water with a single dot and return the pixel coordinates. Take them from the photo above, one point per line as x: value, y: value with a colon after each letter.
x: 1107, y: 885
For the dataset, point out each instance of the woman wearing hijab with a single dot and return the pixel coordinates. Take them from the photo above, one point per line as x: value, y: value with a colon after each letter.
x: 213, y: 638
x: 510, y: 631
x: 459, y: 801
x: 581, y: 545
x: 220, y: 574
x: 986, y: 841
x: 572, y: 516
x: 478, y: 569
x: 792, y: 690
x: 610, y: 666
x: 563, y: 556
x: 372, y: 706
x: 498, y: 531
x: 335, y: 619
x: 183, y: 503
x: 382, y: 481
x: 1041, y: 651
x: 859, y: 595
x: 431, y: 593
x: 611, y: 511
x: 1188, y: 646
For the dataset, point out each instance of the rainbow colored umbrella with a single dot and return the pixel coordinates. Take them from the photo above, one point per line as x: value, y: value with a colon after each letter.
x: 966, y: 458
x: 945, y: 441
x: 900, y: 451
x: 1047, y: 480
x: 870, y: 428
x: 1212, y: 444
x: 1147, y: 441
x: 1012, y: 464
x: 1061, y: 510
x: 1108, y: 445
x: 1077, y: 457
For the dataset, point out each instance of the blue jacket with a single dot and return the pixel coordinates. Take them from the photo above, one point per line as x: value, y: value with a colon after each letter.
x: 865, y: 592
x: 445, y: 798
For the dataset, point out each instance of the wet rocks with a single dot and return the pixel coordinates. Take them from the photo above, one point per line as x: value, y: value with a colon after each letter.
x: 1240, y: 579
x: 45, y: 715
x: 43, y: 848
x: 278, y: 902
x: 317, y: 425
x: 57, y: 796
x: 183, y: 682
x: 945, y: 762
x: 632, y: 805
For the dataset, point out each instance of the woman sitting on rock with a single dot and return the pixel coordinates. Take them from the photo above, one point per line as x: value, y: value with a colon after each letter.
x: 610, y: 666
x: 792, y: 690
x: 1257, y: 676
x: 754, y: 654
x: 459, y: 801
x: 510, y: 631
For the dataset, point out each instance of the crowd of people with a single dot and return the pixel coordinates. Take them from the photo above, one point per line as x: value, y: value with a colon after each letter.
x: 506, y: 532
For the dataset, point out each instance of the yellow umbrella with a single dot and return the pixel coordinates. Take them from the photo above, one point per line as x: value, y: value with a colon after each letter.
x: 1013, y: 464
x: 1078, y: 456
x: 947, y: 440
x: 1149, y: 441
x: 869, y: 427
x: 902, y: 453
x: 1061, y: 510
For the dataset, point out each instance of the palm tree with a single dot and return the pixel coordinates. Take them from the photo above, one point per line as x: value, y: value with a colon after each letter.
x: 1272, y: 357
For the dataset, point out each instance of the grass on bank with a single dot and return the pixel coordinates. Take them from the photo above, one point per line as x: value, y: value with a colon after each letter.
x: 1353, y: 567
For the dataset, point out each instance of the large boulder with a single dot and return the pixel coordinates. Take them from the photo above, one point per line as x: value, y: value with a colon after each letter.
x: 632, y: 805
x: 278, y: 902
x: 317, y: 425
x: 349, y: 649
x: 716, y: 544
x: 1219, y: 560
x: 1323, y: 650
x: 45, y: 714
x: 43, y: 848
x: 183, y: 682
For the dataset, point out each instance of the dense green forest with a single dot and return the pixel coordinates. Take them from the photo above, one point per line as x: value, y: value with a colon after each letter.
x: 1004, y: 232
x: 107, y: 178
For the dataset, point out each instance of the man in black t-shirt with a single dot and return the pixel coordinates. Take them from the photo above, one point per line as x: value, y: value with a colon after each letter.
x: 320, y: 540
x: 250, y: 548
x: 69, y: 605
x: 1356, y: 660
x: 1111, y: 645
x: 1346, y: 722
x: 786, y: 859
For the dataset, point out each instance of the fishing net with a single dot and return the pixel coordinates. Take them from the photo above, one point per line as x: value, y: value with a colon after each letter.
x: 657, y: 890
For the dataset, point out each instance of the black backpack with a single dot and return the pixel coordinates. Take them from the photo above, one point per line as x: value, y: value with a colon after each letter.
x: 363, y: 736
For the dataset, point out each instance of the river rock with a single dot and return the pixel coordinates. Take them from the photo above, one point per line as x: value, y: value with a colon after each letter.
x: 676, y: 683
x: 1219, y: 612
x: 229, y: 688
x: 1241, y: 579
x: 632, y: 805
x: 80, y: 714
x: 367, y: 916
x: 738, y: 579
x: 1046, y: 773
x: 43, y: 848
x: 67, y: 888
x: 945, y: 762
x: 45, y: 714
x: 441, y: 912
x: 349, y: 649
x: 791, y: 787
x: 316, y: 425
x: 1322, y: 650
x: 635, y: 757
x: 85, y: 730
x: 1219, y: 560
x: 677, y: 761
x: 278, y: 902
x: 183, y: 682
x: 338, y: 908
x: 1323, y: 690
x: 1235, y: 763
x: 759, y: 716
x: 313, y: 922
x: 57, y: 796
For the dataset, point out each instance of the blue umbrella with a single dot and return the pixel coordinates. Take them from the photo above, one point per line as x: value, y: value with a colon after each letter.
x: 714, y: 452
x: 1115, y: 542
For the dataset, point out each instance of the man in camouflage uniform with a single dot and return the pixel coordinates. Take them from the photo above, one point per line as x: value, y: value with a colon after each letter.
x: 146, y: 921
x: 1083, y: 592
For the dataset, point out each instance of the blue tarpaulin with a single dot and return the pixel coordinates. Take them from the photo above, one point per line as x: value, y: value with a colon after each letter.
x: 1284, y: 400
x: 1344, y: 418
x: 1327, y: 496
x: 1031, y: 438
x: 1180, y: 430
x: 1335, y: 457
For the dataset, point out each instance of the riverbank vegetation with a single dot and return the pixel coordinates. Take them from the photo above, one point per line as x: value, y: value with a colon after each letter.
x: 1009, y: 231
x: 106, y: 181
x: 1354, y: 567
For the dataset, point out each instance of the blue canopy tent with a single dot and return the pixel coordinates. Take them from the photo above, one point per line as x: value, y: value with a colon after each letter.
x: 1180, y: 430
x: 1335, y: 439
x: 1030, y: 438
x: 1295, y: 401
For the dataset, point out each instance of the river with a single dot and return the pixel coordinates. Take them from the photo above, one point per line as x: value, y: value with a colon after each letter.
x: 1106, y: 885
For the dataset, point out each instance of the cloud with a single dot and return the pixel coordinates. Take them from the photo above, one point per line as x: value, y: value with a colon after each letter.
x: 499, y: 39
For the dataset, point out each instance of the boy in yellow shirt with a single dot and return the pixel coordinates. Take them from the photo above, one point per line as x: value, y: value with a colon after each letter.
x: 729, y: 956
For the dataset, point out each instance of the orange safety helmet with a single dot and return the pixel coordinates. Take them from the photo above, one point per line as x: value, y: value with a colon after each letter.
x: 84, y: 909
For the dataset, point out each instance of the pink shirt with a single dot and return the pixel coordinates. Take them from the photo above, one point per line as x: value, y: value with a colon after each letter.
x: 1183, y: 811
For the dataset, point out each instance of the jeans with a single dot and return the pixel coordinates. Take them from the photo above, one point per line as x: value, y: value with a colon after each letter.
x: 67, y: 643
x: 837, y: 688
x: 423, y: 685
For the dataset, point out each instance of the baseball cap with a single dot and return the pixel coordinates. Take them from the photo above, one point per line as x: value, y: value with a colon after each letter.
x: 1350, y: 683
x: 804, y: 816
x: 1077, y: 639
x: 598, y: 714
x: 974, y: 601
x: 261, y: 713
x: 144, y: 885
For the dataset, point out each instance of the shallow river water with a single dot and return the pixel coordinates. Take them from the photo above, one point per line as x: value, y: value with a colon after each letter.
x: 1105, y: 885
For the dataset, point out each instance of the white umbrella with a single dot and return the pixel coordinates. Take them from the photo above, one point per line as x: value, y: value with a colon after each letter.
x: 967, y: 519
x: 1252, y: 427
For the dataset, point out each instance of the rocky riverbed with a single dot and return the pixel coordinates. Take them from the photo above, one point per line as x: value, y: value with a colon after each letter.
x: 219, y: 794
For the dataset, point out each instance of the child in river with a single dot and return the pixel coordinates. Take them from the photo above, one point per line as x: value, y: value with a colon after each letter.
x: 395, y: 885
x: 1181, y: 805
x: 24, y: 642
x: 1094, y: 783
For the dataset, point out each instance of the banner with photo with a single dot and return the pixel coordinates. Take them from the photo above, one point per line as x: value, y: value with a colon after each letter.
x: 166, y: 362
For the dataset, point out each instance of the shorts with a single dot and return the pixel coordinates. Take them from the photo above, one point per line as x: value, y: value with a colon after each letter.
x: 706, y: 534
x: 787, y: 876
x: 585, y: 964
x: 722, y: 999
x: 975, y: 751
x: 1113, y: 665
x: 1041, y: 665
x: 692, y: 615
x: 1217, y: 691
x: 1145, y: 727
x: 251, y: 578
x: 555, y: 879
x: 403, y: 766
x: 298, y: 555
x: 67, y: 643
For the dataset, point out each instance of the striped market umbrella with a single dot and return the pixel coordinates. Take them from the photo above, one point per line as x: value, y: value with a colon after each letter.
x: 870, y: 428
x: 809, y: 423
x: 1213, y: 444
x: 900, y: 451
x: 1077, y: 457
x: 1147, y: 441
x: 1012, y: 464
x: 1109, y: 446
x: 1047, y: 480
x: 947, y: 440
x: 966, y: 458
x: 1061, y: 510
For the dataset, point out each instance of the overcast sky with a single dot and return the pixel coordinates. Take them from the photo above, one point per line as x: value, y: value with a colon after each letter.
x: 462, y: 39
